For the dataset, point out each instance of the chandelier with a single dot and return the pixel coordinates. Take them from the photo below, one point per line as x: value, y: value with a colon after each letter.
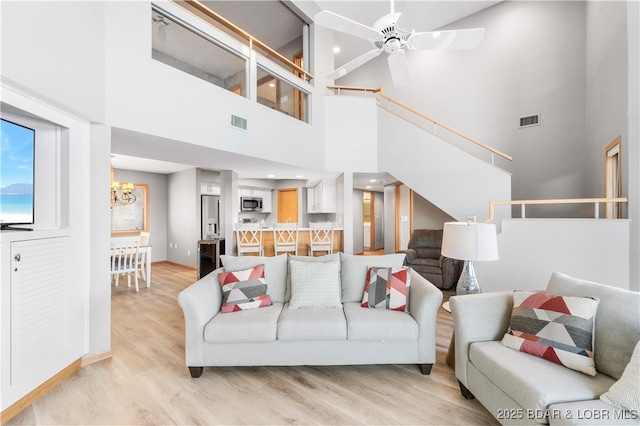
x: 121, y: 193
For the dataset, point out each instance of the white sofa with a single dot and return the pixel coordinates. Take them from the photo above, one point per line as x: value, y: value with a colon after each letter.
x: 277, y: 335
x: 519, y: 388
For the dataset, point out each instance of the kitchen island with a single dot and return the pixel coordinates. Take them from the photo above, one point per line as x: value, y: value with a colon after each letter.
x: 303, y: 241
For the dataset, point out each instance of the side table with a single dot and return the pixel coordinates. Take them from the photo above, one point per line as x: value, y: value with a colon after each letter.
x: 451, y: 353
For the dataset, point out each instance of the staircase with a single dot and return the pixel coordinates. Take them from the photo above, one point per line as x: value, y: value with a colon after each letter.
x: 441, y: 164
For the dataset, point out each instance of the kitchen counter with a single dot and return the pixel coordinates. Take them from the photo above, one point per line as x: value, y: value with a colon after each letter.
x: 303, y: 241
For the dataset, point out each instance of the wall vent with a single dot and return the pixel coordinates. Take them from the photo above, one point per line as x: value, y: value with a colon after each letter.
x: 532, y: 120
x: 238, y: 122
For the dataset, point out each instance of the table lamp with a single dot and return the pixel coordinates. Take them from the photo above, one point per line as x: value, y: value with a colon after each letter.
x: 469, y: 241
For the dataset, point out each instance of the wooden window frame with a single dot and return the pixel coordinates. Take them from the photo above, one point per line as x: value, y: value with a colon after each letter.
x: 145, y: 214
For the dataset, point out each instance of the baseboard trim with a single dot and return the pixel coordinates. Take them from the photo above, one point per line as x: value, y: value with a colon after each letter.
x: 11, y: 411
x: 88, y: 360
x: 179, y: 265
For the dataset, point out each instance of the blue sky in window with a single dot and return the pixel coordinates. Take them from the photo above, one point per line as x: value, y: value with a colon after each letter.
x: 16, y: 154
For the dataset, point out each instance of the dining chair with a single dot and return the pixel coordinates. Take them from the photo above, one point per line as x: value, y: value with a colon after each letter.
x: 124, y: 260
x: 142, y: 256
x: 320, y: 237
x: 285, y: 238
x: 249, y: 238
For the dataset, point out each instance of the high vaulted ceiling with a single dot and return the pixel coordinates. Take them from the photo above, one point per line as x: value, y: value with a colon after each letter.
x: 275, y: 24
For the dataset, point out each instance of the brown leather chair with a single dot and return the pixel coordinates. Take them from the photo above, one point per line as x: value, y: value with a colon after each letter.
x: 424, y: 255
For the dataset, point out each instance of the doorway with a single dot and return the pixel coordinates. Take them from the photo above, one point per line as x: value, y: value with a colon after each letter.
x: 372, y: 221
x: 612, y: 178
x: 288, y: 205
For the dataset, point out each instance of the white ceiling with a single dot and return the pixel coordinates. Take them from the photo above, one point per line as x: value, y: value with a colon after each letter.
x: 135, y: 151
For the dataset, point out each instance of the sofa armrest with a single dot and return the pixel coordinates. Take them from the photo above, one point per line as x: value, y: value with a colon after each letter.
x: 424, y: 301
x: 200, y: 302
x: 477, y: 318
x: 410, y: 256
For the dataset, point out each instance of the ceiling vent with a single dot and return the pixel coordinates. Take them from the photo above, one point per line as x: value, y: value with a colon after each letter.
x: 532, y: 120
x: 238, y: 122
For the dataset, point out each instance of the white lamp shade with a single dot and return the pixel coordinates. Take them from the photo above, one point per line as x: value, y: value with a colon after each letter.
x: 470, y: 241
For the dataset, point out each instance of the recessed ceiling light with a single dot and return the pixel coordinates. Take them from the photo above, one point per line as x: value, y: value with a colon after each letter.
x: 368, y: 187
x: 271, y: 176
x: 372, y: 180
x: 299, y: 176
x: 336, y: 49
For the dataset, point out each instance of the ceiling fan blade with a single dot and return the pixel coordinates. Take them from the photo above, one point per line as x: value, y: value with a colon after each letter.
x: 353, y: 64
x: 440, y: 40
x: 413, y: 13
x: 399, y: 68
x: 344, y: 25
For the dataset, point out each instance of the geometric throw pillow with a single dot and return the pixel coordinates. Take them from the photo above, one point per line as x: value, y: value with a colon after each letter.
x: 242, y: 290
x: 625, y: 393
x: 387, y: 288
x: 556, y: 328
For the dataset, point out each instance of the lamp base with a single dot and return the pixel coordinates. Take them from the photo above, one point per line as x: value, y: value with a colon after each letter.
x: 468, y: 283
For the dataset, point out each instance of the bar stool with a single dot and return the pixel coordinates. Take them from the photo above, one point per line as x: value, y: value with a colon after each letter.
x: 320, y: 237
x: 249, y: 238
x: 285, y: 238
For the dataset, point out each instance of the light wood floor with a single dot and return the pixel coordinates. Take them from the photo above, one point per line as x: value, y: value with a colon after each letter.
x: 146, y: 381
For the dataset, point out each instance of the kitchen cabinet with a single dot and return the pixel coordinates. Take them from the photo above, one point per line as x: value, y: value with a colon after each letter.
x: 321, y: 198
x: 43, y: 321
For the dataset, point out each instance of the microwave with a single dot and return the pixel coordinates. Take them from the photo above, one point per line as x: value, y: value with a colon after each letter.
x: 251, y: 204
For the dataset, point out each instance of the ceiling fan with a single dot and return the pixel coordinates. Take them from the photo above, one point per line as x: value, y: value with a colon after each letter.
x: 392, y: 33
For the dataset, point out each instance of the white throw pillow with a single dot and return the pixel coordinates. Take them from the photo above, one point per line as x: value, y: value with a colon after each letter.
x: 314, y: 284
x: 625, y: 393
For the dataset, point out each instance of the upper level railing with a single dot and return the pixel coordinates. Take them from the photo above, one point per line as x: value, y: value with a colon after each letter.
x: 199, y: 6
x: 523, y: 203
x: 435, y: 124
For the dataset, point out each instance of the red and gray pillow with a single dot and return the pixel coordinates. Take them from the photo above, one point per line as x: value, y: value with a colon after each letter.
x: 555, y: 328
x: 245, y: 289
x: 387, y: 288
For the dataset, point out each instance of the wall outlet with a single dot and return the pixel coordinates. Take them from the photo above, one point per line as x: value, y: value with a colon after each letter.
x: 170, y: 245
x: 188, y: 252
x: 176, y: 246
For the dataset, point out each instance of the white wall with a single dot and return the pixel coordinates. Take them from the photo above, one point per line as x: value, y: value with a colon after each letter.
x: 183, y: 217
x: 56, y: 49
x: 531, y: 61
x: 450, y: 178
x: 351, y: 139
x: 530, y: 250
x: 150, y: 97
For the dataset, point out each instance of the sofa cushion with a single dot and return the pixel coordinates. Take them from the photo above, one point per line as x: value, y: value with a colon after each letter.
x: 556, y: 328
x: 531, y: 381
x: 429, y: 263
x: 275, y: 271
x: 625, y: 393
x: 378, y: 324
x: 354, y: 272
x: 314, y: 284
x: 312, y: 324
x: 255, y: 325
x: 387, y: 288
x: 244, y: 289
x: 326, y: 258
x: 427, y: 253
x: 617, y: 327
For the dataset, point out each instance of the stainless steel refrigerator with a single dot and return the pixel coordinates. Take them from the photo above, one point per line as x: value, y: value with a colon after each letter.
x: 210, y: 217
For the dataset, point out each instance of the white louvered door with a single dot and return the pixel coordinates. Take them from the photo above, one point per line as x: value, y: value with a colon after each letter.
x: 46, y: 329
